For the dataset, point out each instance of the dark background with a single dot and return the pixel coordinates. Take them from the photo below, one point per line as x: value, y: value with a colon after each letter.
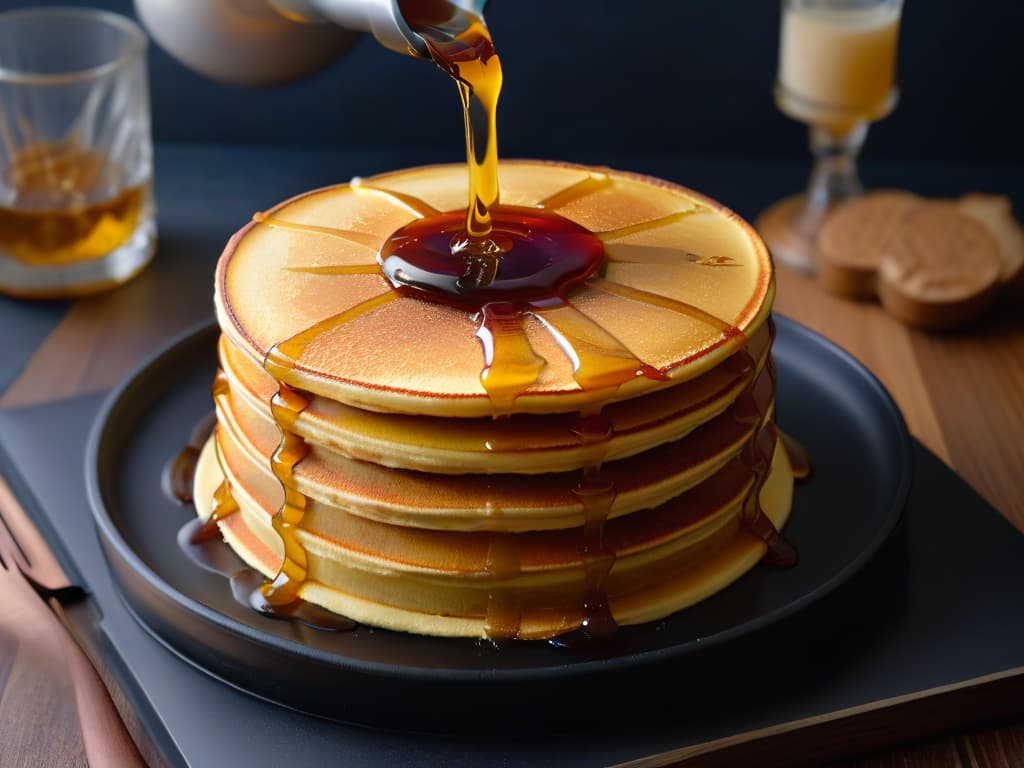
x: 588, y: 80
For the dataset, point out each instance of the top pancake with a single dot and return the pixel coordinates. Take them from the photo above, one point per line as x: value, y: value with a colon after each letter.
x: 699, y: 284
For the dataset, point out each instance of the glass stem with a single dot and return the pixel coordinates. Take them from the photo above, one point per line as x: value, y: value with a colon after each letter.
x: 834, y: 177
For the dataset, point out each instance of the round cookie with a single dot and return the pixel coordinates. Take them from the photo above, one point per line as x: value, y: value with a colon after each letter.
x: 852, y: 237
x: 940, y: 269
x: 996, y: 212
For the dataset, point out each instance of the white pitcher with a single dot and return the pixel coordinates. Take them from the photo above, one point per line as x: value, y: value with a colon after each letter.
x: 267, y: 42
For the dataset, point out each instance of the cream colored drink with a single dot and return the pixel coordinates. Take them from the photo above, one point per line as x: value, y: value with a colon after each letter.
x: 837, y: 66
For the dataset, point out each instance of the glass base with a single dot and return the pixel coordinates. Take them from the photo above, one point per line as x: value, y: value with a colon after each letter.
x: 83, y: 278
x: 780, y: 225
x: 837, y: 117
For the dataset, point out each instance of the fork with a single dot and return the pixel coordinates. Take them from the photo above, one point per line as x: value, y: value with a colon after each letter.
x: 47, y: 682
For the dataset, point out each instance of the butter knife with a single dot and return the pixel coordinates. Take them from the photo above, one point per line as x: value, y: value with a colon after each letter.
x: 119, y: 727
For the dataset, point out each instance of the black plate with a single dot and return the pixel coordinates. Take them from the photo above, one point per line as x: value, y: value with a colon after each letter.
x: 862, y: 470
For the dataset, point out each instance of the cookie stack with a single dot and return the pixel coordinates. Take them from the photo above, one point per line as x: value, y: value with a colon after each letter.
x: 933, y: 264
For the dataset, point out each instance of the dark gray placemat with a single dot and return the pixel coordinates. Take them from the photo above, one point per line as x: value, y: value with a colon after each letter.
x: 940, y: 605
x: 23, y: 326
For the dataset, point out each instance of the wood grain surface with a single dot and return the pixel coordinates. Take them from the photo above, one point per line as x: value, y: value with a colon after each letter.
x: 961, y: 393
x: 54, y: 709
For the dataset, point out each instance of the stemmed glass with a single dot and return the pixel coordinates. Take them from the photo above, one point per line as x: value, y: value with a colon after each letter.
x: 837, y: 63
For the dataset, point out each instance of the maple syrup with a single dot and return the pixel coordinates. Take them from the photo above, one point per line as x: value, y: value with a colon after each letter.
x: 538, y: 256
x: 461, y: 46
x: 799, y: 458
x: 211, y: 553
x: 503, y: 617
x: 753, y: 407
x: 286, y: 406
x: 179, y: 471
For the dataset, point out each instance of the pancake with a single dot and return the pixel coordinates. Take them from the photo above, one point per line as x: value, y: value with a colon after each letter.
x: 384, y: 577
x: 523, y: 443
x: 519, y: 467
x: 676, y: 261
x: 502, y: 502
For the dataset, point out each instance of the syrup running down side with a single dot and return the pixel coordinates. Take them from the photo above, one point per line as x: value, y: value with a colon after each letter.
x: 211, y: 553
x: 201, y: 541
x: 753, y: 407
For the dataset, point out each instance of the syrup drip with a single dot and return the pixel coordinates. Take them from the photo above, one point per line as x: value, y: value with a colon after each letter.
x: 510, y: 364
x: 752, y: 408
x: 594, y: 182
x: 338, y: 269
x: 224, y: 505
x: 359, y: 238
x: 419, y: 208
x: 644, y: 226
x: 596, y: 494
x: 286, y: 406
x: 201, y: 540
x: 212, y: 554
x: 283, y: 357
x: 799, y: 458
x: 504, y: 616
x: 460, y: 45
x: 657, y: 300
x: 179, y: 471
x: 220, y: 386
x: 599, y: 360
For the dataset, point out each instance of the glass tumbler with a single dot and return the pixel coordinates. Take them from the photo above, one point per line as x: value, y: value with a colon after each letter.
x: 76, y: 204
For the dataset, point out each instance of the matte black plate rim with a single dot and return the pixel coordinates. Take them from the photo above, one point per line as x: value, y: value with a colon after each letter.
x: 107, y: 529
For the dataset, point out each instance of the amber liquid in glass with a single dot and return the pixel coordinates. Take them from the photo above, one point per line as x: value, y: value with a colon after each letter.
x: 56, y: 217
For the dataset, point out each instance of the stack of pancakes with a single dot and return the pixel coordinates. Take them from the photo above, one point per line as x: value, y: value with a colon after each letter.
x: 425, y: 512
